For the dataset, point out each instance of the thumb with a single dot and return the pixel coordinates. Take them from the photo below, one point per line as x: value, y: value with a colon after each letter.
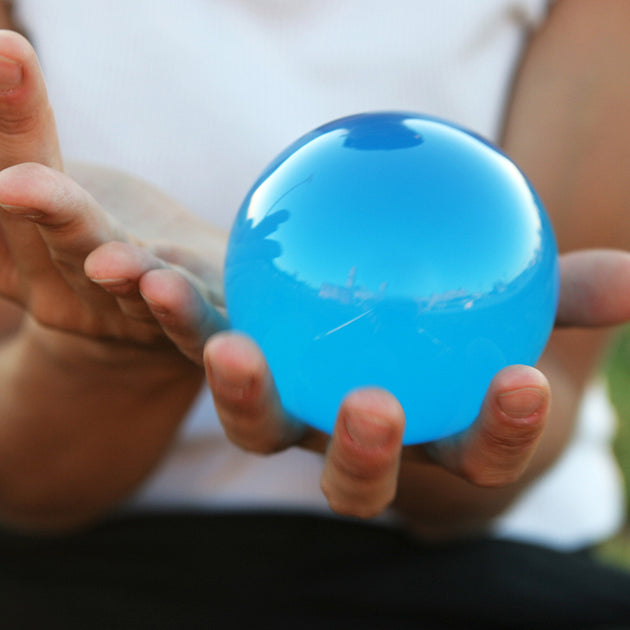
x: 594, y: 288
x: 496, y: 450
x: 27, y: 124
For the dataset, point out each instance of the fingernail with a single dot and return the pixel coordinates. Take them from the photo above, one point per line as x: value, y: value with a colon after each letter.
x: 521, y: 403
x: 10, y: 74
x: 368, y: 431
x: 109, y: 282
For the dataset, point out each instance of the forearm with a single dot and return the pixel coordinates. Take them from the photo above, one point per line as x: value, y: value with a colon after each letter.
x: 567, y: 128
x: 80, y: 429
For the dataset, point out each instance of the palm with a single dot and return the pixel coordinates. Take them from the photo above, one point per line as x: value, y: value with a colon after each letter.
x: 41, y: 258
x: 42, y: 263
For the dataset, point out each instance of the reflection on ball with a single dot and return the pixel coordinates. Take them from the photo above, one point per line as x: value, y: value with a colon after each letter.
x: 394, y: 250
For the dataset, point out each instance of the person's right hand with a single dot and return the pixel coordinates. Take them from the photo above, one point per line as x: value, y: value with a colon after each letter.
x: 93, y: 389
x: 49, y: 223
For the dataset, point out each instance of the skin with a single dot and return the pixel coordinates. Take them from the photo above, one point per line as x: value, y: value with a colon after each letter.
x: 100, y: 296
x: 75, y: 340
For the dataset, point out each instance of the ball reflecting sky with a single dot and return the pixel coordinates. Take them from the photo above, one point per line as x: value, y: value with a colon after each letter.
x: 395, y: 250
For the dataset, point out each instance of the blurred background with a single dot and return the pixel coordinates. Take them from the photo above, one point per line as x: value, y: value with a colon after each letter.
x: 617, y: 371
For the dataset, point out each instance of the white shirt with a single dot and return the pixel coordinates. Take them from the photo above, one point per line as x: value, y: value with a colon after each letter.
x: 197, y: 96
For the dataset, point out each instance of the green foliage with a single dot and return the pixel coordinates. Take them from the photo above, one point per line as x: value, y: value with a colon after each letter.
x: 616, y: 551
x: 617, y: 371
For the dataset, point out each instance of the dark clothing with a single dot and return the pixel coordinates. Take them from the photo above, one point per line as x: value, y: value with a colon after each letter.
x: 298, y: 572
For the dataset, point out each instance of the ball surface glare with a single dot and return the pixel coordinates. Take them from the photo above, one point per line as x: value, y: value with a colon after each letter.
x: 395, y: 250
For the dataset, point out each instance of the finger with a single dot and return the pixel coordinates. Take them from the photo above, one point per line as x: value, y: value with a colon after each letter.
x: 496, y: 450
x: 594, y: 288
x: 183, y: 308
x: 27, y: 124
x: 246, y: 399
x: 204, y: 271
x: 117, y: 268
x: 27, y: 133
x: 361, y: 467
x: 146, y: 287
x: 68, y: 224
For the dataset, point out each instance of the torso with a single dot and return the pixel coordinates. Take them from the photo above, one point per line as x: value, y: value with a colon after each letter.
x: 197, y: 96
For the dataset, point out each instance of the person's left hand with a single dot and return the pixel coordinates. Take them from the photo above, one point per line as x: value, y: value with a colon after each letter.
x: 364, y: 454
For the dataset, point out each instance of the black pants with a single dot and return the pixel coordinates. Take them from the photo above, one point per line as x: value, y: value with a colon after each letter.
x: 298, y: 572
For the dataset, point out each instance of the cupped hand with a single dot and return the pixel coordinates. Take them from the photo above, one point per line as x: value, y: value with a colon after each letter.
x: 93, y: 389
x: 364, y: 455
x: 49, y: 223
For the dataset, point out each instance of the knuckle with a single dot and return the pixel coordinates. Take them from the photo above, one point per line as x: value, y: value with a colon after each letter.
x: 358, y: 496
x: 512, y: 440
x: 359, y: 467
x: 62, y: 226
x: 356, y: 474
x: 252, y: 433
x: 490, y: 471
x: 18, y: 123
x: 21, y: 114
x: 356, y: 507
x: 489, y: 477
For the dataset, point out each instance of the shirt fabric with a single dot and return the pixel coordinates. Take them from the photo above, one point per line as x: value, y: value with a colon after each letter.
x: 198, y: 96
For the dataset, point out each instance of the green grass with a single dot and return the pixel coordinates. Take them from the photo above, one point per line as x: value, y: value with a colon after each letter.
x: 617, y: 371
x: 616, y: 551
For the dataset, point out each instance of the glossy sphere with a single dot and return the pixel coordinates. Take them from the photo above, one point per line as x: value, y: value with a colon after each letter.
x: 395, y: 250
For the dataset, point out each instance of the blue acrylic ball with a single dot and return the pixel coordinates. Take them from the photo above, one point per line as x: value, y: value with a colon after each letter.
x: 395, y: 250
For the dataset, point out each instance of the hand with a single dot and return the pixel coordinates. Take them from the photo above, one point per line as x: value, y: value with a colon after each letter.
x: 363, y: 457
x: 49, y: 223
x: 78, y: 343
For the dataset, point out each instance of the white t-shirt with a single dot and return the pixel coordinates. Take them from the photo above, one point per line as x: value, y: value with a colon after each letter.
x: 197, y: 96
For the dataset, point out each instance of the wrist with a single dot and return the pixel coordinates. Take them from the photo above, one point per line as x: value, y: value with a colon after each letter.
x: 77, y: 409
